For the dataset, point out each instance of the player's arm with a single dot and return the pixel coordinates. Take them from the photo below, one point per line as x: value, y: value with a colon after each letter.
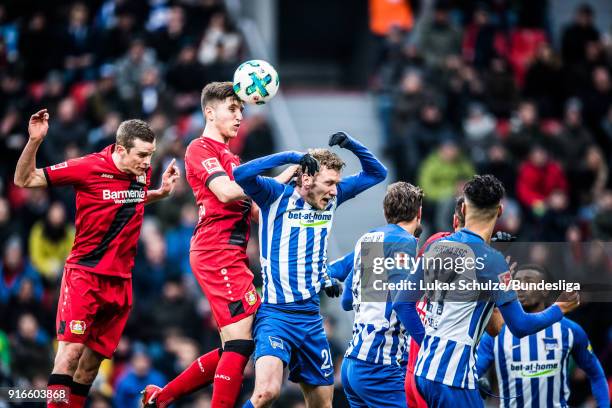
x: 522, y: 324
x: 372, y: 173
x: 169, y: 178
x: 586, y: 359
x: 342, y: 267
x: 496, y: 322
x: 404, y: 301
x: 347, y: 296
x: 26, y: 173
x: 264, y: 189
x: 484, y: 354
x: 227, y: 190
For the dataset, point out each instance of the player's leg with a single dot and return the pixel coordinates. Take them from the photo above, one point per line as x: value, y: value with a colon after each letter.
x: 311, y: 364
x: 268, y: 381
x: 373, y: 385
x: 317, y: 396
x: 84, y: 376
x: 64, y: 367
x: 238, y: 345
x: 75, y: 311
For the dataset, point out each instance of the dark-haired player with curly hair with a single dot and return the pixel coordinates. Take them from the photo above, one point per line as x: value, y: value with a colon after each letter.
x: 456, y: 318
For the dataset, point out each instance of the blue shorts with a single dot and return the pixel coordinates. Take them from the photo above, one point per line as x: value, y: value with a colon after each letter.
x: 373, y: 385
x: 438, y: 395
x: 299, y: 340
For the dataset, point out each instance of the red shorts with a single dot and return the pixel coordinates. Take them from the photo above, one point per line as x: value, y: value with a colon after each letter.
x: 413, y: 397
x: 93, y: 309
x: 227, y: 282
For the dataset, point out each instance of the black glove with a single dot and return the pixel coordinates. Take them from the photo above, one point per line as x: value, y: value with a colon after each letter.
x: 484, y: 388
x: 341, y: 139
x: 309, y: 164
x: 502, y: 236
x: 333, y: 288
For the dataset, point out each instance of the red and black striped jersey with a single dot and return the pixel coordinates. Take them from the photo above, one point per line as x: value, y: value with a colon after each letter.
x: 109, y: 212
x: 220, y: 225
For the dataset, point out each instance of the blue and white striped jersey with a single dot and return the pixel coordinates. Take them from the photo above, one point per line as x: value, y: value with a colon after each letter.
x: 378, y: 336
x: 533, y: 371
x: 453, y: 329
x: 293, y: 235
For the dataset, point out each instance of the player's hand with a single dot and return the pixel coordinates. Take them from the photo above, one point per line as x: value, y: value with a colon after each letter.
x: 286, y: 175
x: 484, y: 387
x: 333, y: 288
x: 568, y: 301
x: 38, y: 125
x: 309, y: 165
x: 169, y: 178
x: 502, y: 236
x: 341, y: 139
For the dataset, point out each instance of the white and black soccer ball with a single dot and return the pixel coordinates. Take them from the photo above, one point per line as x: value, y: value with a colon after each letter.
x: 255, y: 82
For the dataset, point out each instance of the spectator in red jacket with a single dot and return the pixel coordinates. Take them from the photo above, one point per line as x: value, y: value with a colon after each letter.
x: 538, y: 177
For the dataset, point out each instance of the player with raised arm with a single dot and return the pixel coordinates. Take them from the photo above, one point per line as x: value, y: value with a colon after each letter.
x: 373, y: 369
x: 533, y: 371
x: 112, y: 187
x: 218, y: 253
x: 445, y: 369
x: 294, y: 227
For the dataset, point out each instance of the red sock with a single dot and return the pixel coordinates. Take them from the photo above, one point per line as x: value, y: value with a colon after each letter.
x: 228, y: 378
x: 199, y: 374
x: 78, y: 396
x: 59, y: 390
x: 77, y: 401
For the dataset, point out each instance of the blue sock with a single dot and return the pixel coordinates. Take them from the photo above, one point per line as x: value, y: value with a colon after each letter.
x: 248, y: 404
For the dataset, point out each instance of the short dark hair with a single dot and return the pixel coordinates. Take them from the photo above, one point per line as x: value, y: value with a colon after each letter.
x: 458, y: 212
x: 217, y: 92
x: 535, y: 267
x: 485, y: 192
x: 132, y: 129
x: 325, y: 158
x: 402, y: 202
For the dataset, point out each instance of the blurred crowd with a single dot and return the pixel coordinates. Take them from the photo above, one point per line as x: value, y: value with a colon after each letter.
x: 93, y: 64
x: 484, y: 87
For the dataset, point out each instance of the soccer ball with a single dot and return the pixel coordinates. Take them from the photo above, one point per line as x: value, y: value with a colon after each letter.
x: 255, y: 82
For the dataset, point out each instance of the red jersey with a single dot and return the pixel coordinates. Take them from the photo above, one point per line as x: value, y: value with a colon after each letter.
x: 220, y: 225
x: 109, y: 211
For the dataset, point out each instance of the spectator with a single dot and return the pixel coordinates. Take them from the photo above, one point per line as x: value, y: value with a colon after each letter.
x: 105, y: 135
x: 538, y: 177
x: 131, y: 67
x: 602, y: 223
x: 175, y: 310
x: 9, y: 226
x: 219, y: 42
x: 178, y: 239
x: 168, y: 40
x: 478, y: 39
x: 25, y: 302
x: 50, y: 243
x: 186, y: 77
x: 542, y: 81
x: 526, y: 132
x: 150, y: 96
x: 78, y: 40
x: 117, y: 39
x: 479, y: 130
x: 30, y: 349
x: 578, y: 35
x: 442, y: 170
x: 500, y: 90
x: 597, y: 98
x: 36, y: 48
x: 15, y: 269
x: 67, y: 130
x: 104, y: 98
x: 439, y: 39
x: 556, y: 220
x: 137, y: 377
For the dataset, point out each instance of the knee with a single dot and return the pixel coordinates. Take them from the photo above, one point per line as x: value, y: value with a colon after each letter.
x: 85, y: 375
x: 267, y: 394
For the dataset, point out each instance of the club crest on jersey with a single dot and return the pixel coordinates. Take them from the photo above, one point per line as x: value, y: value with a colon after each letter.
x: 275, y: 342
x: 77, y: 327
x: 141, y: 179
x: 58, y: 166
x: 251, y: 297
x: 505, y: 278
x: 212, y: 165
x: 550, y: 343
